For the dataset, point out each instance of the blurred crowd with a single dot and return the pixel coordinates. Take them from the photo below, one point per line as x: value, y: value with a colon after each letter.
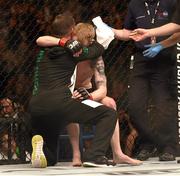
x: 22, y: 21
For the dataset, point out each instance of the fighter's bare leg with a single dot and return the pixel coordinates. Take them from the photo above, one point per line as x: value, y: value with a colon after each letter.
x: 118, y: 156
x: 73, y: 131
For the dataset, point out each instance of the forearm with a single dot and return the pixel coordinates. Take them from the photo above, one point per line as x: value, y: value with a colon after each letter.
x: 172, y: 40
x: 92, y: 52
x: 167, y: 29
x: 99, y: 94
x: 122, y: 34
x: 46, y: 41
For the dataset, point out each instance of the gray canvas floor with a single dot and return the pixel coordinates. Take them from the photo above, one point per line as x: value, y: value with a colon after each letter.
x: 150, y: 167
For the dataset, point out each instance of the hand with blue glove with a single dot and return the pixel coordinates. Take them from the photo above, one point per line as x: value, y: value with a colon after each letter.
x: 153, y: 50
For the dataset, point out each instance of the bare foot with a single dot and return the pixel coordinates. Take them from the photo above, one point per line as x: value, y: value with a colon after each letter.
x: 76, y: 162
x: 124, y: 159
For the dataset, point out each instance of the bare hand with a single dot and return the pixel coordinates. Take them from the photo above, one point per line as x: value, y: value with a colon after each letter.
x: 139, y: 34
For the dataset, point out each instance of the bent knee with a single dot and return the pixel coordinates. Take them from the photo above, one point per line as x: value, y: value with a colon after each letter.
x: 109, y: 102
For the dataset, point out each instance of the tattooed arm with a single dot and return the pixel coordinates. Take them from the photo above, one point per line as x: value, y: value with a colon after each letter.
x: 100, y: 80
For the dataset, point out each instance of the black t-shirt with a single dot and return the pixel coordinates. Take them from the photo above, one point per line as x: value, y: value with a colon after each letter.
x: 57, y: 66
x: 137, y: 17
x: 176, y: 16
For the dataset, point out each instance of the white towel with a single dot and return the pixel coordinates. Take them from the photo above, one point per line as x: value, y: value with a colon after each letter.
x: 73, y: 80
x: 104, y: 33
x: 91, y: 103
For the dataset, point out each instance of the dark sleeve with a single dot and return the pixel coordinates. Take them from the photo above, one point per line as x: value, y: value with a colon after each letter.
x: 130, y: 22
x: 92, y: 52
x: 55, y: 52
x: 176, y: 16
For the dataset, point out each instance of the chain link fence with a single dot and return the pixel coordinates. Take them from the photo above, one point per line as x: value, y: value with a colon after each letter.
x: 21, y: 22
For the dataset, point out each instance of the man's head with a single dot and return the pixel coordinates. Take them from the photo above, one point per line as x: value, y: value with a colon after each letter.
x: 85, y: 33
x: 7, y: 108
x: 63, y: 25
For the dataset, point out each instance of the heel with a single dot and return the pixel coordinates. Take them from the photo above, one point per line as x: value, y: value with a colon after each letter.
x: 38, y: 158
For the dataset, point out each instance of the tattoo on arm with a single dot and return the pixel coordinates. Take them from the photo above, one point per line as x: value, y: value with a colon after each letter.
x: 99, y: 65
x: 100, y: 83
x: 100, y: 77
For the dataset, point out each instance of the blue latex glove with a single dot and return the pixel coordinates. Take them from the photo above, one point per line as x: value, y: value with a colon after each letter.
x: 153, y: 50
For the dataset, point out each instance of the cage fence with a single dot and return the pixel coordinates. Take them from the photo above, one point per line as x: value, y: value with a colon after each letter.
x: 21, y: 23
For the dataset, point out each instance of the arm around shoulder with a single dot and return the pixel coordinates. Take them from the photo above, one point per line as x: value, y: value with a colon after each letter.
x: 92, y: 52
x: 46, y: 41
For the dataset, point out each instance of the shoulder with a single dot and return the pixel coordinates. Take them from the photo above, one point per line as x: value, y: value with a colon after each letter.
x: 54, y: 51
x: 168, y: 3
x: 169, y: 6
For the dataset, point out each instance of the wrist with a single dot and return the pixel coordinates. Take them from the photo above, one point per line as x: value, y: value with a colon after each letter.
x: 62, y: 41
x: 150, y: 33
x: 161, y: 46
x: 91, y: 97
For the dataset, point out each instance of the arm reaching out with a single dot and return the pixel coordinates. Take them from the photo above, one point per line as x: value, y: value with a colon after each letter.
x: 154, y: 49
x: 73, y: 46
x: 105, y: 34
x: 172, y: 40
x: 122, y: 34
x: 141, y: 34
